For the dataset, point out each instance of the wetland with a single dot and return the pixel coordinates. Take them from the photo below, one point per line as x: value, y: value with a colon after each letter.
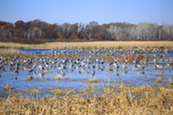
x: 127, y: 77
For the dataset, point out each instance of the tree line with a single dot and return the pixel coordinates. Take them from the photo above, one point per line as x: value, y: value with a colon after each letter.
x: 41, y: 30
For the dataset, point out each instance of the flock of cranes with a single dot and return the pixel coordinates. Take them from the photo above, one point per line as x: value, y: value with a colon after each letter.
x: 83, y: 61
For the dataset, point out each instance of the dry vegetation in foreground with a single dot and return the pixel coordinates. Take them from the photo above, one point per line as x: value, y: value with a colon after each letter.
x: 143, y: 100
x: 91, y: 45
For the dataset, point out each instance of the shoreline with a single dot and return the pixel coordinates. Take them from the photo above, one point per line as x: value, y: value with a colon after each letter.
x: 91, y: 45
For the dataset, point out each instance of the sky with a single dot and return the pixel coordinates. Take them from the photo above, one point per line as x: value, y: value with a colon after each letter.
x: 102, y: 11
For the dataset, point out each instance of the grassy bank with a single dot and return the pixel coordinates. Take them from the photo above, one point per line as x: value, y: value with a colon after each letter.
x: 143, y: 100
x: 9, y: 52
x: 13, y: 45
x: 110, y: 44
x: 91, y: 45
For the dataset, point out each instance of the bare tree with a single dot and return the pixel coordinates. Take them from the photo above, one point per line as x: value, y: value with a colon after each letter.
x: 91, y: 29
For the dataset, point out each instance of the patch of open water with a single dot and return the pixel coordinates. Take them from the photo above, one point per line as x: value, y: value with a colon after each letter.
x: 82, y: 71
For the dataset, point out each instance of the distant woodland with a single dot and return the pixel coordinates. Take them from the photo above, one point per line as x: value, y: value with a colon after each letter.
x: 38, y: 31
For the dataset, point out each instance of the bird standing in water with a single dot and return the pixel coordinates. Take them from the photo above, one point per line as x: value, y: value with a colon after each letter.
x: 93, y: 73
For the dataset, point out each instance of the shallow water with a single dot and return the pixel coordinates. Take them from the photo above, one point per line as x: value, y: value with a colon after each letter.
x: 77, y: 78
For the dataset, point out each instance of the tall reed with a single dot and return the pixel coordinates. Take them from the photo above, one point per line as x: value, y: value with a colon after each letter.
x: 143, y: 100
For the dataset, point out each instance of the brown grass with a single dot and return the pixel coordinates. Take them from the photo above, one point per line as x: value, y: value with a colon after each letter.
x: 93, y: 80
x: 16, y: 45
x: 33, y: 91
x: 7, y: 87
x: 144, y: 100
x: 9, y: 52
x: 159, y: 80
x: 110, y: 44
x: 91, y: 45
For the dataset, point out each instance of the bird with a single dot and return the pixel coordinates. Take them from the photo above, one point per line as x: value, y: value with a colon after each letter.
x: 15, y: 78
x: 157, y: 66
x: 93, y: 73
x: 124, y: 65
x: 116, y: 65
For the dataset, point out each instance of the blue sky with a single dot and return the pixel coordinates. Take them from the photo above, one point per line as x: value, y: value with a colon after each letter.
x: 102, y: 11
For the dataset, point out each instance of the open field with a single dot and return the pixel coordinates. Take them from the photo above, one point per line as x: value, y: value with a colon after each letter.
x: 91, y: 45
x: 110, y: 45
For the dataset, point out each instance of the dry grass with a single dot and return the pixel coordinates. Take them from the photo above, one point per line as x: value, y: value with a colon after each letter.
x: 159, y: 80
x: 170, y: 83
x: 91, y: 45
x: 93, y: 80
x: 33, y: 91
x: 7, y: 87
x: 16, y: 45
x: 110, y: 44
x: 9, y: 52
x: 143, y: 100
